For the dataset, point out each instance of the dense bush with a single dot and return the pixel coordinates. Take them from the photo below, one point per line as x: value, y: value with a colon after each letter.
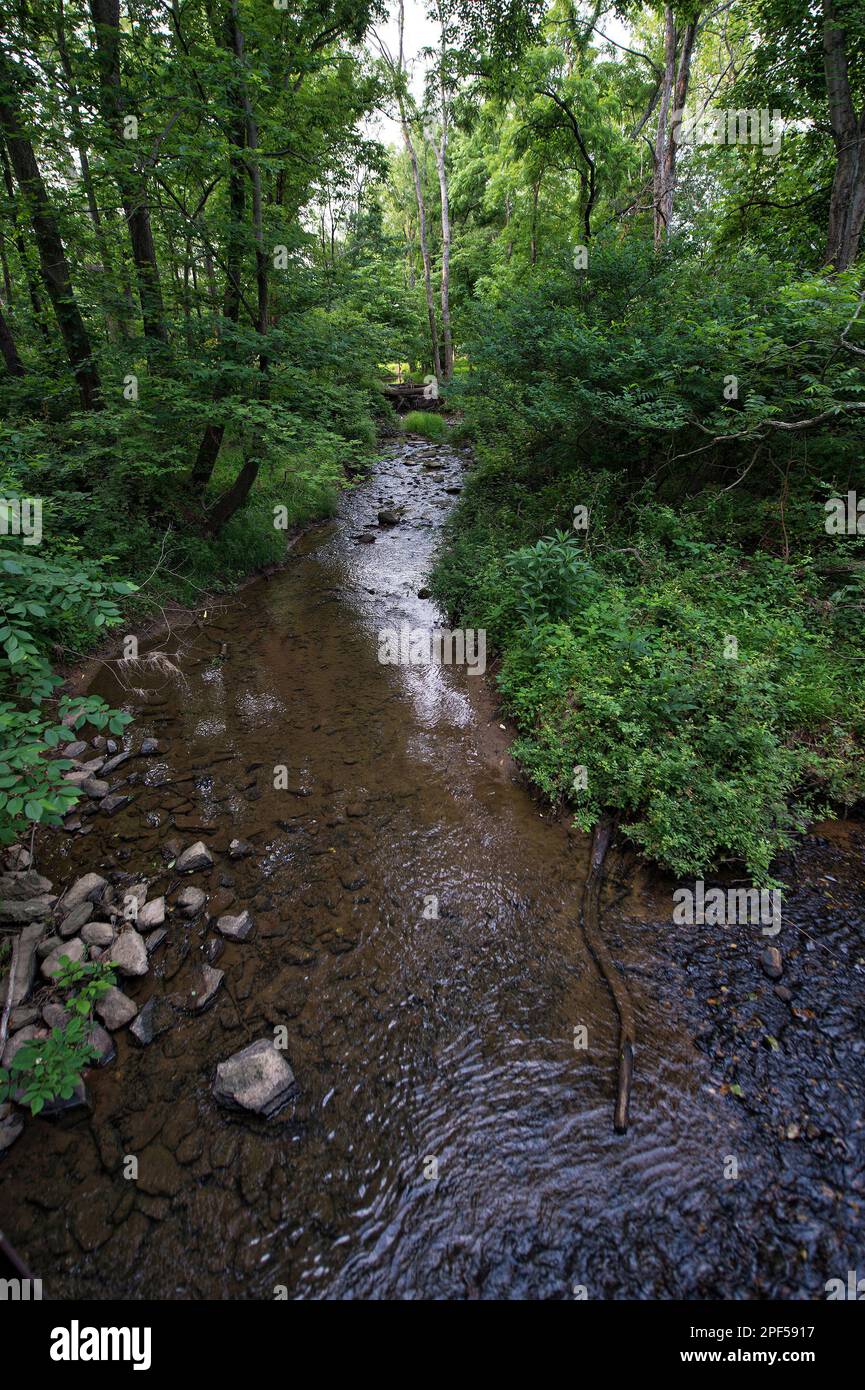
x: 698, y: 650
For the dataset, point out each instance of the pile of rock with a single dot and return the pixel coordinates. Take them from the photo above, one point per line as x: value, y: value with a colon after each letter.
x: 89, y: 772
x: 96, y: 920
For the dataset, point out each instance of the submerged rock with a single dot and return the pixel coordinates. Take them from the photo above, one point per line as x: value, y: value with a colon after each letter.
x: 196, y: 857
x: 191, y: 900
x: 95, y: 787
x: 11, y: 1127
x: 205, y: 983
x: 240, y: 849
x: 104, y: 1044
x: 117, y: 761
x: 258, y: 1078
x: 235, y: 928
x: 156, y: 1017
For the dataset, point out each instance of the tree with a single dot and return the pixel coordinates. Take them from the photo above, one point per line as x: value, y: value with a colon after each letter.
x: 53, y: 263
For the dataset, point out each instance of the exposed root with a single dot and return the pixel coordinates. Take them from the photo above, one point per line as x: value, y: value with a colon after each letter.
x: 615, y: 982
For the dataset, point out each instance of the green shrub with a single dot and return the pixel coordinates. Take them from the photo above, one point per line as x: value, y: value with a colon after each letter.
x: 426, y: 423
x: 615, y: 643
x: 48, y: 1069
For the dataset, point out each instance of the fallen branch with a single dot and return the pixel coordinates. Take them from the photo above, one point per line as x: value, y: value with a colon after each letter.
x: 7, y: 1007
x: 615, y: 983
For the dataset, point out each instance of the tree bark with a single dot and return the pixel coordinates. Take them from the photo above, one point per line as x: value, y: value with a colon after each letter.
x: 14, y: 365
x: 658, y: 192
x: 52, y: 255
x: 133, y: 193
x: 680, y: 96
x: 211, y: 440
x: 440, y: 149
x: 847, y: 200
x: 86, y: 175
x: 232, y: 500
x: 32, y: 287
x: 421, y: 208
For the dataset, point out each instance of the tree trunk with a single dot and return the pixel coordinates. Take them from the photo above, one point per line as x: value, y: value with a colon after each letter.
x: 232, y: 500
x: 447, y: 340
x: 32, y: 287
x: 658, y: 191
x: 211, y: 440
x: 533, y: 245
x: 680, y: 97
x: 441, y: 150
x: 847, y: 201
x: 52, y: 254
x: 133, y: 195
x: 14, y: 365
x: 421, y: 209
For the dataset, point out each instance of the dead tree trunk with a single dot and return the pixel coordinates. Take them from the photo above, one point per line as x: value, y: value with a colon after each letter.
x: 601, y: 841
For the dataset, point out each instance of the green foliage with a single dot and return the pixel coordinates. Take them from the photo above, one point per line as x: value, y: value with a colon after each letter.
x: 615, y: 644
x: 552, y: 580
x: 426, y: 423
x: 33, y: 788
x: 45, y: 602
x: 48, y: 1069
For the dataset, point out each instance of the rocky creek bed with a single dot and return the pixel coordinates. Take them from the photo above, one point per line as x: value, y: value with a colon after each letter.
x: 346, y: 1063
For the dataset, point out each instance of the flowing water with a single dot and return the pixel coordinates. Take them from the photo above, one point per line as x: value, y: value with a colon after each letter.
x: 417, y: 934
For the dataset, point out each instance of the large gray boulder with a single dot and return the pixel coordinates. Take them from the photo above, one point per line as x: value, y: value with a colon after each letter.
x: 258, y: 1078
x: 20, y: 886
x: 33, y: 910
x: 75, y: 920
x: 98, y: 934
x: 151, y: 915
x: 115, y: 1008
x: 129, y: 953
x: 74, y: 950
x: 86, y: 889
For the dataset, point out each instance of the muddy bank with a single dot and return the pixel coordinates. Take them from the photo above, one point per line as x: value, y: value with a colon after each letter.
x: 415, y: 934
